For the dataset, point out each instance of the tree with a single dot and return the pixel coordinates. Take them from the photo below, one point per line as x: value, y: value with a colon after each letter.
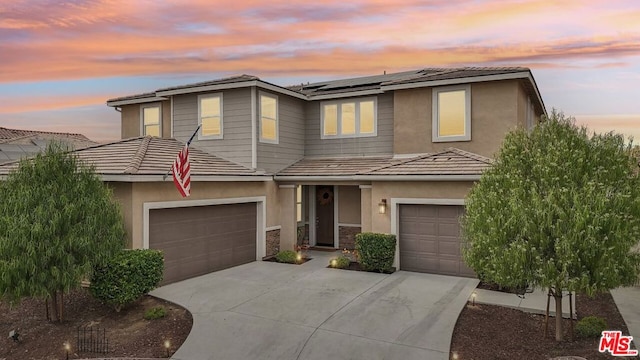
x: 57, y: 220
x: 558, y: 210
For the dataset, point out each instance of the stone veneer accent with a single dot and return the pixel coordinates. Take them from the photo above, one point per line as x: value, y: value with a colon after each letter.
x: 347, y: 236
x: 304, y: 239
x: 273, y: 242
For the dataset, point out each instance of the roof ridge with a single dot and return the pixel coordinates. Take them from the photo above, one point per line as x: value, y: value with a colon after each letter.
x: 6, y: 141
x: 36, y: 132
x: 470, y: 155
x: 136, y: 161
x: 399, y: 162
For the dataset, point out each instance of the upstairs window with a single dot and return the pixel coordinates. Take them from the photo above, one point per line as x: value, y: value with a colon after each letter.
x: 349, y: 118
x: 210, y: 116
x: 451, y: 113
x: 150, y: 120
x: 268, y: 118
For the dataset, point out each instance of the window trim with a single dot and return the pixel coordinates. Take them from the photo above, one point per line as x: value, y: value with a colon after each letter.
x: 299, y: 200
x: 146, y: 106
x: 339, y: 103
x: 435, y: 118
x: 210, y: 137
x: 277, y: 119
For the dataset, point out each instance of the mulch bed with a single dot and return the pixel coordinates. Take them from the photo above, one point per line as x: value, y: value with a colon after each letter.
x: 128, y: 333
x: 355, y: 266
x: 485, y: 332
x: 273, y: 259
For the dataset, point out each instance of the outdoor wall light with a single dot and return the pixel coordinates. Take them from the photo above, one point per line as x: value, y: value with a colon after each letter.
x: 382, y: 206
x: 167, y: 345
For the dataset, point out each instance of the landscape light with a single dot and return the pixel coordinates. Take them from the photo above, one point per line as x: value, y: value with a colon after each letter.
x: 334, y: 262
x: 473, y: 298
x: 167, y: 345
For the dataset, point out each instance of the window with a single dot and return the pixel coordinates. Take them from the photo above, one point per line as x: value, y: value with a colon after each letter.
x: 269, y: 118
x: 299, y: 203
x: 349, y: 118
x: 210, y: 116
x: 150, y: 119
x: 451, y: 113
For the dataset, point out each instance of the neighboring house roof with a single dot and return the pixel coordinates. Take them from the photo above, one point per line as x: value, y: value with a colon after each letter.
x: 359, y: 86
x: 449, y: 164
x: 149, y: 158
x: 16, y: 144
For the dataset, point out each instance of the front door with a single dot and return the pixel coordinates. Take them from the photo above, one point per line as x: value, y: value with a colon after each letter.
x: 324, y: 216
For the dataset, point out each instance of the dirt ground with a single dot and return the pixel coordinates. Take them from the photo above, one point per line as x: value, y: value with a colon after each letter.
x: 127, y: 332
x: 486, y: 332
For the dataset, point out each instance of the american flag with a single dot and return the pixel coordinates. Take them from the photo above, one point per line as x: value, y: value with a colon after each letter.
x: 181, y: 171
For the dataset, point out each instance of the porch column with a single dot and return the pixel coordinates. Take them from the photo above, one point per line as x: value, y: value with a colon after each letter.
x: 365, y: 208
x: 288, y: 229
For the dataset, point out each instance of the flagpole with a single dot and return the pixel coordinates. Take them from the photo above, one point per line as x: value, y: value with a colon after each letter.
x: 164, y: 177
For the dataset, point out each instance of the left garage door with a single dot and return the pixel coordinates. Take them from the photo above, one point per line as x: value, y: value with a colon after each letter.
x: 201, y: 239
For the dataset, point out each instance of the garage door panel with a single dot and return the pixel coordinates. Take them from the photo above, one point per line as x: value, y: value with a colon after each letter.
x: 430, y: 240
x: 201, y: 239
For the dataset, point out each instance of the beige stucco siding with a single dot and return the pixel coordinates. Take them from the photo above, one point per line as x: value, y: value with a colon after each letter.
x: 421, y: 190
x: 132, y: 196
x: 130, y: 117
x: 522, y: 107
x: 122, y: 194
x: 348, y: 205
x: 494, y: 112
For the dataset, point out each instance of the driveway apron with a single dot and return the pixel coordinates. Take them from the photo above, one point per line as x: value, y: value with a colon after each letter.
x: 266, y: 310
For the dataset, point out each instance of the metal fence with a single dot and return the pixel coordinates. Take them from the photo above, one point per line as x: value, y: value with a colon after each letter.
x: 92, y: 339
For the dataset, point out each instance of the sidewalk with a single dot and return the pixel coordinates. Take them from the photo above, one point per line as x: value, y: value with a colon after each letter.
x: 535, y: 302
x: 628, y: 301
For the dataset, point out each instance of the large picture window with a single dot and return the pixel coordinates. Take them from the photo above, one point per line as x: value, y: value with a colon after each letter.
x: 452, y: 113
x: 349, y: 118
x: 210, y: 116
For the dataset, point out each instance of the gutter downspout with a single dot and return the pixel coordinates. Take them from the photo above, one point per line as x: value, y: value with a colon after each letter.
x: 254, y: 129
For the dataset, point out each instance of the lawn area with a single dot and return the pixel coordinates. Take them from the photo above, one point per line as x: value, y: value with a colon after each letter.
x: 128, y: 333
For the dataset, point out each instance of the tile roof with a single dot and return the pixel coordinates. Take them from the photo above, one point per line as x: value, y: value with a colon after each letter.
x: 17, y: 144
x: 227, y: 80
x: 450, y: 161
x: 150, y: 156
x: 335, y: 166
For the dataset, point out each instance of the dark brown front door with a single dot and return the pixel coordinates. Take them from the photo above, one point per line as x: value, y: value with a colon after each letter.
x: 324, y: 216
x: 201, y: 239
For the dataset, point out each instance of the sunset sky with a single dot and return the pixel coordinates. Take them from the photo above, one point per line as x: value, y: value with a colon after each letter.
x: 60, y: 61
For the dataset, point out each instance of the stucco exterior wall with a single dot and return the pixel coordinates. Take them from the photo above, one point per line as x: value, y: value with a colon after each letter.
x: 494, y: 112
x: 130, y: 121
x: 407, y: 189
x: 166, y: 191
x: 122, y: 194
x: 348, y: 205
x: 522, y: 107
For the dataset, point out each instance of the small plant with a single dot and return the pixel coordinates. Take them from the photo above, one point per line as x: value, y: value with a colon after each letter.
x: 341, y: 262
x: 376, y: 251
x: 155, y: 312
x: 591, y: 327
x: 126, y: 277
x: 287, y: 256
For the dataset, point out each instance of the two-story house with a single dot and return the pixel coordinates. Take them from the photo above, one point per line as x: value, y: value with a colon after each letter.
x: 271, y: 165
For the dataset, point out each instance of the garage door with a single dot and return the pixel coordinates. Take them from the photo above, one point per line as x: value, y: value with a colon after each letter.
x: 430, y: 240
x: 201, y: 239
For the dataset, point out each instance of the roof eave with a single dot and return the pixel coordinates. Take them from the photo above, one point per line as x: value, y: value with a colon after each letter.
x: 232, y: 85
x: 116, y: 103
x: 194, y: 178
x: 455, y: 81
x: 345, y: 95
x: 377, y: 177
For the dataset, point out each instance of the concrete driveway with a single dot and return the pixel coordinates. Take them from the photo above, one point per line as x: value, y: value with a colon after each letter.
x: 265, y: 310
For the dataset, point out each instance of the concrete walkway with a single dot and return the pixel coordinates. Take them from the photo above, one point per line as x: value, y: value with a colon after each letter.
x: 266, y: 310
x: 628, y: 301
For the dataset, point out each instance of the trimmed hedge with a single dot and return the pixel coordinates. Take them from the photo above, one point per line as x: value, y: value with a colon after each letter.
x: 128, y: 276
x: 287, y: 256
x: 591, y: 327
x: 341, y: 262
x: 376, y: 251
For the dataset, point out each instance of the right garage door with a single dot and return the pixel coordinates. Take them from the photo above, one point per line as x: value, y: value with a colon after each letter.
x: 430, y: 240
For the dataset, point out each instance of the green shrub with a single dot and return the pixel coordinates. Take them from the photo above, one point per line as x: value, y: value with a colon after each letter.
x: 155, y: 312
x: 376, y: 251
x: 341, y: 262
x: 126, y: 277
x: 591, y: 327
x: 287, y: 256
